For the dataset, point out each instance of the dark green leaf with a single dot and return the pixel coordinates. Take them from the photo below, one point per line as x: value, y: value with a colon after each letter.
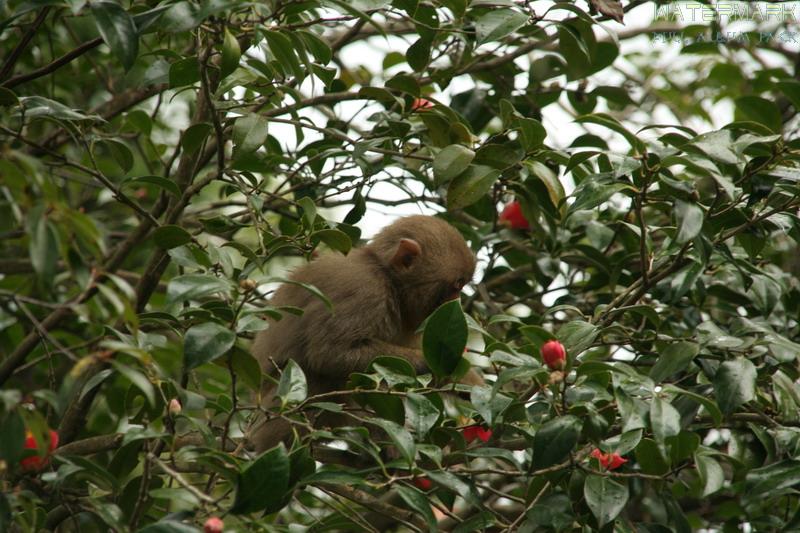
x: 421, y: 413
x: 673, y: 359
x: 184, y: 72
x: 735, y: 384
x: 231, y: 52
x: 263, y: 483
x: 292, y: 387
x: 554, y: 441
x: 605, y: 497
x: 444, y: 338
x: 205, y: 342
x: 249, y: 133
x: 171, y: 236
x: 690, y: 221
x: 664, y: 419
x: 576, y: 336
x: 471, y: 186
x: 497, y: 23
x: 450, y: 162
x: 118, y: 31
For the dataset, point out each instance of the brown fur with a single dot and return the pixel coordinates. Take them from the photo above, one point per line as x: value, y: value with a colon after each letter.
x: 381, y: 293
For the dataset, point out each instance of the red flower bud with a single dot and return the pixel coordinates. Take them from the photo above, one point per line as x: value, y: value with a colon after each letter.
x: 36, y: 462
x: 609, y: 461
x: 512, y: 216
x: 554, y: 355
x: 423, y: 483
x: 213, y: 525
x: 421, y: 104
x: 471, y: 433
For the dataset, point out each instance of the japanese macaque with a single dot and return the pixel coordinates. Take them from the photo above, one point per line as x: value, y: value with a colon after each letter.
x: 381, y: 293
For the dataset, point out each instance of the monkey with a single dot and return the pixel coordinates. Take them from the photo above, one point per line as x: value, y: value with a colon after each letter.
x: 381, y: 293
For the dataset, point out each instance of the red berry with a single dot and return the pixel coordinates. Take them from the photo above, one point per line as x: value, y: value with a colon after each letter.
x: 615, y: 461
x: 423, y: 483
x: 471, y: 433
x: 53, y: 441
x: 609, y: 461
x: 554, y: 355
x: 213, y: 525
x: 512, y: 216
x: 33, y: 463
x: 421, y: 104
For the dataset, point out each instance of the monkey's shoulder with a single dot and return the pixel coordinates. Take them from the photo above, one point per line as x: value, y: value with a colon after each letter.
x: 352, y: 279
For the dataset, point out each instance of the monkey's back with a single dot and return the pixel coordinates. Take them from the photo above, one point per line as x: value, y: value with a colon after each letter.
x: 363, y: 309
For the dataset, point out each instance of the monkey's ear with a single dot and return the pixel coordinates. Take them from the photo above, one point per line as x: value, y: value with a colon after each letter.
x: 407, y: 252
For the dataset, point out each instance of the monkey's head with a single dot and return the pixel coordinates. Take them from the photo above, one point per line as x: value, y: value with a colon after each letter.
x: 428, y: 261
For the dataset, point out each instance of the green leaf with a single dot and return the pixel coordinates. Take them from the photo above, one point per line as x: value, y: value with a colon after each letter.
x: 497, y: 23
x: 8, y: 98
x: 159, y: 181
x: 450, y: 162
x: 168, y: 526
x: 444, y: 338
x: 191, y: 286
x: 138, y: 380
x: 171, y: 236
x: 283, y: 51
x: 532, y: 133
x: 184, y: 72
x: 711, y: 474
x: 400, y: 437
x: 118, y: 31
x: 193, y: 137
x: 773, y: 478
x: 613, y: 124
x: 292, y: 387
x: 576, y: 336
x: 735, y: 384
x: 673, y: 359
x: 605, y: 497
x: 249, y: 133
x: 664, y: 419
x: 421, y: 413
x: 488, y: 402
x: 419, y: 54
x: 12, y: 437
x: 231, y: 52
x: 120, y: 152
x: 205, y: 342
x: 419, y: 503
x: 43, y: 245
x: 319, y: 49
x: 554, y: 441
x: 593, y: 191
x: 262, y: 486
x: 471, y: 186
x: 690, y: 221
x: 760, y: 110
x: 334, y: 238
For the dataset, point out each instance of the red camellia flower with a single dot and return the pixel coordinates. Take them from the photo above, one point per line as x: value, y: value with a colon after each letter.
x: 554, y: 355
x: 609, y: 461
x: 421, y: 104
x: 213, y: 525
x: 423, y: 483
x: 471, y: 433
x: 33, y: 463
x: 512, y: 216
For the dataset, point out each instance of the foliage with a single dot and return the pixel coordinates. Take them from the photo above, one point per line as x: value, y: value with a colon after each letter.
x: 163, y: 163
